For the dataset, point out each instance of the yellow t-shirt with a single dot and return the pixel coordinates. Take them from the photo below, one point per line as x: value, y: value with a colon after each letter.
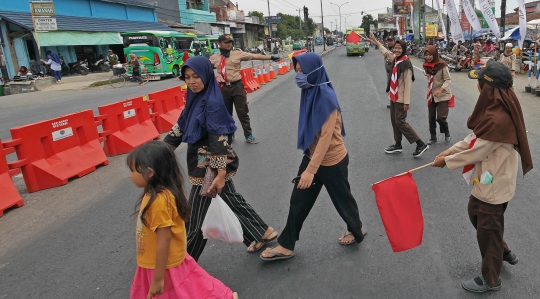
x: 162, y: 213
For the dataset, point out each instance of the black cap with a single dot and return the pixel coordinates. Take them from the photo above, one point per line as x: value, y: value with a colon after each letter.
x: 390, y: 38
x: 493, y: 73
x: 225, y: 37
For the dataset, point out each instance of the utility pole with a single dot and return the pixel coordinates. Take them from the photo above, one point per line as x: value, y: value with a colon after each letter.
x: 331, y: 26
x: 323, y: 32
x: 339, y: 10
x: 300, y: 17
x: 424, y: 21
x: 503, y: 15
x: 269, y: 24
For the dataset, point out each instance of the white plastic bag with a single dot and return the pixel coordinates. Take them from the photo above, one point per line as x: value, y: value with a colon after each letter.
x: 221, y: 224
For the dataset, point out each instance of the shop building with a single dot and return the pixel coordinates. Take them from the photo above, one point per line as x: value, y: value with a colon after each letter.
x: 86, y: 29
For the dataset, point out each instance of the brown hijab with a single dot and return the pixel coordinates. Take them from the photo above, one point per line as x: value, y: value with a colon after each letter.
x: 437, y: 64
x: 498, y: 117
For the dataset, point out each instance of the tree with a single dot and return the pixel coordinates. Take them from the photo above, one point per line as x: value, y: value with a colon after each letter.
x: 326, y: 30
x: 367, y: 20
x: 290, y: 26
x: 258, y: 14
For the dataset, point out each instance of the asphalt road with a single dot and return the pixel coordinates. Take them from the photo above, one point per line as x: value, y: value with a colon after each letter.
x: 77, y: 241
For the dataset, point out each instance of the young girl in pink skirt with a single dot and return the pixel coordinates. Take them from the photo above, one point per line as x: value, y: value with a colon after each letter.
x: 164, y: 269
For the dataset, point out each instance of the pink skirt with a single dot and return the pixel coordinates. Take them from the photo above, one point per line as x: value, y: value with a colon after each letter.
x: 185, y: 281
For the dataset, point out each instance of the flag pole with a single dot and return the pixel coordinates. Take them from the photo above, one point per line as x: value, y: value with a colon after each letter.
x: 414, y: 169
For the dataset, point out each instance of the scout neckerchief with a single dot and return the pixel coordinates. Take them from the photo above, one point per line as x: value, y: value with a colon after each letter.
x: 394, y: 79
x: 429, y: 66
x: 469, y: 169
x: 223, y: 69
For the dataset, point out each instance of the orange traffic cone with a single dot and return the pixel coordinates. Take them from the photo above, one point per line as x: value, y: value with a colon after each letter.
x: 292, y: 66
x: 260, y: 77
x: 285, y: 65
x: 272, y: 72
x: 281, y: 71
x: 266, y: 76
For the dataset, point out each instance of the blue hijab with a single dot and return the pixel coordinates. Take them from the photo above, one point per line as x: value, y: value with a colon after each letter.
x: 205, y: 111
x: 317, y: 102
x: 55, y: 57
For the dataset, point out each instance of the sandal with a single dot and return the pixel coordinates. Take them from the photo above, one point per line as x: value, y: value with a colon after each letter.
x: 276, y: 255
x: 263, y: 242
x: 347, y: 243
x: 364, y: 232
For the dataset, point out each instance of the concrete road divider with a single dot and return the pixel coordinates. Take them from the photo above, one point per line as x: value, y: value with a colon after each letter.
x: 126, y: 125
x: 167, y: 105
x: 9, y: 196
x: 53, y: 151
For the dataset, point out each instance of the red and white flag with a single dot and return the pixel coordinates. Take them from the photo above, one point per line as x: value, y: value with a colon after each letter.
x: 468, y: 170
x: 399, y: 206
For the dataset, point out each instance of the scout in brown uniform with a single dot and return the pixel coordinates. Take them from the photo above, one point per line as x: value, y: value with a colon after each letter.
x: 228, y: 63
x: 399, y: 91
x: 492, y: 150
x: 438, y: 93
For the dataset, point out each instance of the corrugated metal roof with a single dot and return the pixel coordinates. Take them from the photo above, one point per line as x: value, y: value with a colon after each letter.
x: 72, y: 23
x: 131, y: 3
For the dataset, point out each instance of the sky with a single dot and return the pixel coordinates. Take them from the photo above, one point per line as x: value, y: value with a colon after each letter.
x: 350, y: 12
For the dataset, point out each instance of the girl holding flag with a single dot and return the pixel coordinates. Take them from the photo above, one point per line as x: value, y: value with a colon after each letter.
x: 491, y: 152
x: 399, y: 91
x: 438, y: 93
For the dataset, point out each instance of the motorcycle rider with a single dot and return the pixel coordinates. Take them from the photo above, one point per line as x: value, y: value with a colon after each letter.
x: 112, y: 57
x: 459, y: 50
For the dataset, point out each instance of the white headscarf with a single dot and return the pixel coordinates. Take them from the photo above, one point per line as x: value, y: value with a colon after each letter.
x: 509, y: 45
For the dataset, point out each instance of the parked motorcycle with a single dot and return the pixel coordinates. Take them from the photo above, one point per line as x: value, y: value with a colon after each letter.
x: 78, y: 67
x: 460, y: 62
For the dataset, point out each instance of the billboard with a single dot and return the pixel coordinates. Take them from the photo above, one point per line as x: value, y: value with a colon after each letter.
x: 386, y: 21
x: 402, y: 7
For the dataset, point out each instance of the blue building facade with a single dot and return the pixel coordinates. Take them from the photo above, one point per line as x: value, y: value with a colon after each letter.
x: 86, y: 29
x: 195, y: 11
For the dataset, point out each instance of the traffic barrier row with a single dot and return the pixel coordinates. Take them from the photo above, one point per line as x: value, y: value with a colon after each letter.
x: 10, y: 196
x: 51, y: 152
x: 253, y: 78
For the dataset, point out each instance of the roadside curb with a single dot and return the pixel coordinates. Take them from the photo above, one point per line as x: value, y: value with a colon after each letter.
x: 327, y: 51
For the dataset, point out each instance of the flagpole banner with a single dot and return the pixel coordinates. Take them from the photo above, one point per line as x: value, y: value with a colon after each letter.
x: 485, y: 7
x: 471, y: 15
x: 455, y: 27
x: 399, y: 206
x: 442, y: 21
x: 522, y: 22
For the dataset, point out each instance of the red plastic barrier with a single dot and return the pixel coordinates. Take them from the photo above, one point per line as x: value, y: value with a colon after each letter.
x: 52, y: 151
x: 10, y: 196
x: 247, y: 78
x: 166, y: 107
x: 126, y: 125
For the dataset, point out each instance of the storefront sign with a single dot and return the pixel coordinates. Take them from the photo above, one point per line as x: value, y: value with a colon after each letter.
x: 431, y: 30
x: 274, y: 27
x: 401, y: 7
x: 45, y: 24
x: 42, y: 8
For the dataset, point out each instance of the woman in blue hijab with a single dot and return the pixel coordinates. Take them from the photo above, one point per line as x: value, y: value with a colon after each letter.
x: 207, y: 128
x: 325, y: 162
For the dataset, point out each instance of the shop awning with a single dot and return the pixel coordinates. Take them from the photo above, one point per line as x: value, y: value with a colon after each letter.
x: 77, y: 38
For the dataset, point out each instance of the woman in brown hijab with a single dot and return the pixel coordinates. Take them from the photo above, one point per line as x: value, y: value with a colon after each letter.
x: 491, y: 152
x: 438, y: 93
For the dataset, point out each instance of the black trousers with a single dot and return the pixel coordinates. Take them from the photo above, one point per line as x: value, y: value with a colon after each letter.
x: 236, y: 95
x: 488, y: 220
x: 398, y: 117
x: 437, y: 113
x: 336, y: 180
x: 253, y: 226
